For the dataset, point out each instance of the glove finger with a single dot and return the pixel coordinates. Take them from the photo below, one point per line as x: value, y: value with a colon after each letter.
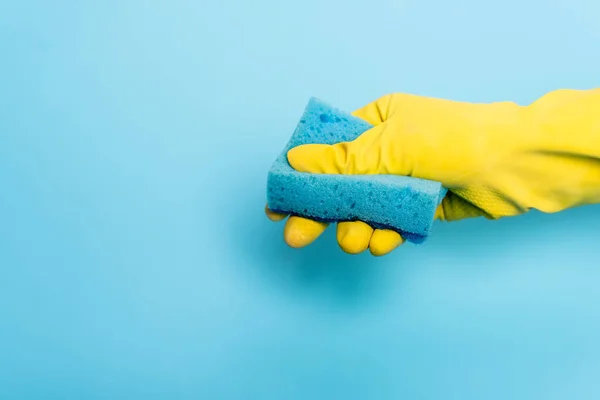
x: 384, y: 241
x: 341, y: 158
x: 273, y: 216
x: 300, y: 232
x: 375, y: 112
x: 353, y: 237
x: 318, y: 158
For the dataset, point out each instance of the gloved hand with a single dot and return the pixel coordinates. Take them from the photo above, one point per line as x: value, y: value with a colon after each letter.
x: 497, y: 159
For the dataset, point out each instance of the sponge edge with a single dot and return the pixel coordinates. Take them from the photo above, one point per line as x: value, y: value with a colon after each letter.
x: 403, y: 204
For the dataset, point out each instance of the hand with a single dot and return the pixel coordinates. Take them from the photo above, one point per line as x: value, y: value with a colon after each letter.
x: 496, y: 159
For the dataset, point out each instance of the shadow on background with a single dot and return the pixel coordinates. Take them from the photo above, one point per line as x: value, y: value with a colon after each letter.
x: 321, y: 270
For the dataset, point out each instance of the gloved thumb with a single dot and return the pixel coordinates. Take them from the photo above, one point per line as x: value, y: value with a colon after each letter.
x: 361, y: 156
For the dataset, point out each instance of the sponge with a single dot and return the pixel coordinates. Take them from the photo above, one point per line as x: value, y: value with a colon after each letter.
x: 403, y: 204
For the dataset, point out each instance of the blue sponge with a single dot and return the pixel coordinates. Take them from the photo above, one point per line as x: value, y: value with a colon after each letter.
x: 406, y: 205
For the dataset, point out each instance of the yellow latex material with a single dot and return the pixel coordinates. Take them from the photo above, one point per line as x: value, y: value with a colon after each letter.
x: 497, y: 159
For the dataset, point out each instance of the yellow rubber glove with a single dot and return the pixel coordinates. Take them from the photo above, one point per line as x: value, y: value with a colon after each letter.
x: 497, y: 159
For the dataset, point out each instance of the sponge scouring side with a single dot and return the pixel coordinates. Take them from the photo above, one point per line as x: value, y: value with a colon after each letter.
x: 403, y: 204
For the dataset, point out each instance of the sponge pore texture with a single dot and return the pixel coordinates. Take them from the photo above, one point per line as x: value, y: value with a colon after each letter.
x: 403, y: 204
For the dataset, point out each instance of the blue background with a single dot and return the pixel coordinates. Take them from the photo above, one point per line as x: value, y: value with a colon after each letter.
x: 135, y: 259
